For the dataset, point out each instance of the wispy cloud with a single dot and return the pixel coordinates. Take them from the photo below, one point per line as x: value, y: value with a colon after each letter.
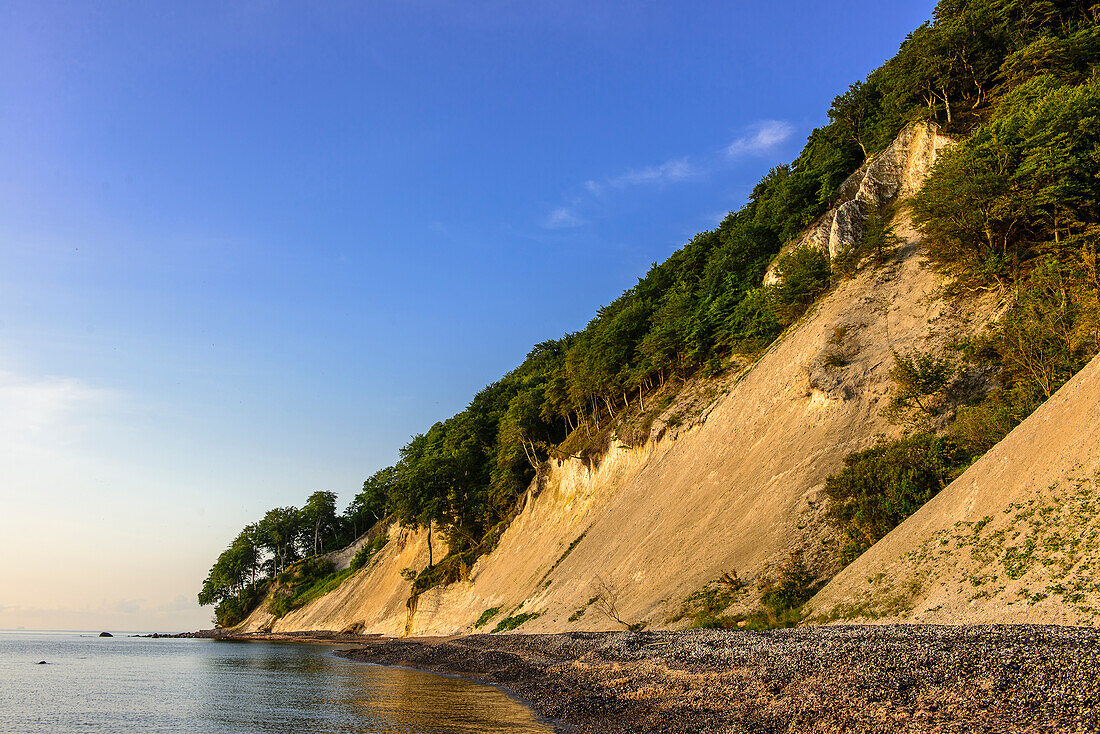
x: 126, y: 606
x: 671, y: 171
x: 180, y: 603
x: 562, y: 218
x: 762, y: 138
x: 34, y: 405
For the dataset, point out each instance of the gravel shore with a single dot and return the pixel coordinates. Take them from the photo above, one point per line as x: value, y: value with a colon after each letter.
x: 904, y: 678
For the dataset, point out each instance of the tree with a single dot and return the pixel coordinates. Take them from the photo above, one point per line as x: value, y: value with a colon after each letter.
x: 373, y: 501
x: 522, y: 436
x: 277, y: 533
x: 418, y: 500
x: 920, y: 378
x: 971, y: 209
x: 319, y: 514
x: 803, y: 274
x: 1049, y: 334
x: 606, y: 600
x: 1027, y: 177
x: 1056, y: 128
x: 854, y: 111
x: 236, y: 565
x: 951, y: 61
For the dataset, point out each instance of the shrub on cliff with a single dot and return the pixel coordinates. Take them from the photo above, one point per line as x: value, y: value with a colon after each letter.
x: 233, y: 610
x: 784, y: 595
x: 803, y: 274
x: 300, y: 583
x: 920, y: 380
x: 367, y: 551
x: 881, y: 486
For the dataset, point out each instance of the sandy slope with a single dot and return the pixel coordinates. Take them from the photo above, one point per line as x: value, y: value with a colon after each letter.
x: 740, y: 490
x: 1016, y: 538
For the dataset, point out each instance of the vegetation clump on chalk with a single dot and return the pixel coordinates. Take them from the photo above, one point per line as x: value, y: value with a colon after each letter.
x: 304, y: 581
x: 1048, y: 333
x: 510, y: 623
x: 368, y: 551
x: 486, y: 617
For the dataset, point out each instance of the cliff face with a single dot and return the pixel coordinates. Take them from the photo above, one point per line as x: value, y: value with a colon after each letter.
x: 372, y: 600
x: 649, y: 526
x: 740, y: 486
x: 1016, y: 538
x: 891, y: 176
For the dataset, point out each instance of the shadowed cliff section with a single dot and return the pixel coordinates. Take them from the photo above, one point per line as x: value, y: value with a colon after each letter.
x: 1016, y: 538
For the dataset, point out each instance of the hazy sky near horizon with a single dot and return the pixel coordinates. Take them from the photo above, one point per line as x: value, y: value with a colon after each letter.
x: 248, y: 248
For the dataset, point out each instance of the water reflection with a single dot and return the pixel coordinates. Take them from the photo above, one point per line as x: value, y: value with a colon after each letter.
x: 306, y: 689
x: 174, y: 686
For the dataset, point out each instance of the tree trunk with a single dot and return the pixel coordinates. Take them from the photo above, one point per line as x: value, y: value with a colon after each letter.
x: 430, y: 562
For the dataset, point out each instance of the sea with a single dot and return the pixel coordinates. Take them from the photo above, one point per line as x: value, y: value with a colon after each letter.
x: 95, y: 685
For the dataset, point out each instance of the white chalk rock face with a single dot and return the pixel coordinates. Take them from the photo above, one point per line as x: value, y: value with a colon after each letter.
x: 893, y: 175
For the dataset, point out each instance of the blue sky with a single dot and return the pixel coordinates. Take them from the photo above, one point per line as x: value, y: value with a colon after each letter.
x: 248, y: 248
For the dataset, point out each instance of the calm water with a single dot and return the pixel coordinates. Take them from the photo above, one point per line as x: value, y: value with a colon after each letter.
x: 120, y: 684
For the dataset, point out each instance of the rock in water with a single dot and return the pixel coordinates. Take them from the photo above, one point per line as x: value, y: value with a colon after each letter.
x: 105, y: 634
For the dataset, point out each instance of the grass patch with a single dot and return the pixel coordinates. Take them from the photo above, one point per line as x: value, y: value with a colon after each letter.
x: 510, y: 623
x: 705, y: 606
x: 581, y: 610
x: 564, y: 555
x: 303, y: 582
x: 781, y: 598
x: 487, y: 615
x: 323, y: 586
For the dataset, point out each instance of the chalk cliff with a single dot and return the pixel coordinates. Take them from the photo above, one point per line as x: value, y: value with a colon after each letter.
x: 737, y: 485
x: 885, y: 179
x: 738, y: 488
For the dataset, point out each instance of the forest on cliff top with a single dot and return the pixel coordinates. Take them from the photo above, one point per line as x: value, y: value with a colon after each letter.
x: 1013, y: 208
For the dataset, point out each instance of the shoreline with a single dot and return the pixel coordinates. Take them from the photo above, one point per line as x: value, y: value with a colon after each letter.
x: 320, y: 636
x: 905, y: 678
